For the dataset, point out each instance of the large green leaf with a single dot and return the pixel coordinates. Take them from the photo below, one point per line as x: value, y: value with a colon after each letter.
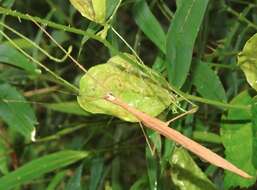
x: 126, y: 82
x: 16, y: 112
x: 186, y: 174
x: 181, y: 38
x: 149, y: 24
x: 237, y: 138
x: 39, y: 167
x: 208, y: 83
x: 247, y: 60
x: 10, y: 55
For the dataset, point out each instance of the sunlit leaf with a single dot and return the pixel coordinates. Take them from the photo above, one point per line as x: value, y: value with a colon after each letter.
x: 237, y: 138
x: 247, y: 60
x: 94, y: 10
x: 16, y: 112
x: 186, y: 174
x: 126, y: 82
x: 99, y: 7
x: 39, y: 167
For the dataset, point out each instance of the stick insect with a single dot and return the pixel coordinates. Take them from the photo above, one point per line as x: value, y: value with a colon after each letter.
x: 162, y: 127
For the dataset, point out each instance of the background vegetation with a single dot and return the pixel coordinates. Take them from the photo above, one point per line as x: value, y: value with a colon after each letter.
x: 192, y: 43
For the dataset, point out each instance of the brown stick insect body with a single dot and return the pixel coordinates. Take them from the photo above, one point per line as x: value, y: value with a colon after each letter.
x: 165, y: 130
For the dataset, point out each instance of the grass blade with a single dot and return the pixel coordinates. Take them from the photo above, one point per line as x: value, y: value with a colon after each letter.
x: 149, y: 24
x: 39, y: 167
x: 181, y: 38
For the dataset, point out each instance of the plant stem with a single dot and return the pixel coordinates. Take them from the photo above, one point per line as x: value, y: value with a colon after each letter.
x: 215, y: 103
x: 20, y: 15
x: 241, y: 17
x: 64, y: 82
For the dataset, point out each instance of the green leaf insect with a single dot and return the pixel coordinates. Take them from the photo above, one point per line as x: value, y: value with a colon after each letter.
x: 125, y: 81
x: 247, y: 60
x: 94, y: 10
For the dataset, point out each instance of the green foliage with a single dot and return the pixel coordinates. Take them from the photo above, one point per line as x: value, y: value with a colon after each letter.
x: 11, y: 56
x: 207, y: 83
x: 193, y: 44
x: 254, y: 131
x: 115, y: 76
x: 39, y: 167
x: 181, y: 37
x: 96, y: 173
x: 4, y: 158
x: 238, y: 138
x: 186, y: 174
x: 91, y: 9
x: 149, y: 24
x: 16, y: 112
x: 68, y: 107
x: 56, y: 180
x: 74, y: 182
x: 247, y: 60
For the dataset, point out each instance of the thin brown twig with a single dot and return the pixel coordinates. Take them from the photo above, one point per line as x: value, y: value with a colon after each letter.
x: 40, y: 91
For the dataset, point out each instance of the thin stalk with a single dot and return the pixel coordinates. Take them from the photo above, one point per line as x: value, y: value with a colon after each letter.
x: 241, y: 17
x: 58, y: 60
x: 216, y: 103
x: 45, y: 22
x: 64, y: 82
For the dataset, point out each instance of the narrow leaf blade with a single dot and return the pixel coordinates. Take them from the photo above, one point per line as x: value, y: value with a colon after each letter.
x: 149, y: 24
x: 181, y: 38
x: 39, y: 167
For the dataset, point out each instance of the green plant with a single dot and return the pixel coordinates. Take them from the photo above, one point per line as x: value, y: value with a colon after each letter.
x: 192, y: 43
